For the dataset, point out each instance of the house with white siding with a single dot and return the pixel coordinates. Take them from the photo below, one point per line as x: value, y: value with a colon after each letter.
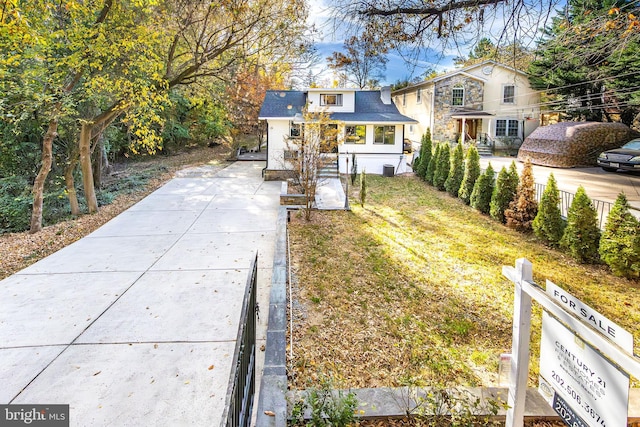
x: 486, y: 103
x: 367, y: 123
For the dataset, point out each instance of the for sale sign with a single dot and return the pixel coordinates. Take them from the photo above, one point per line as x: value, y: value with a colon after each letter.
x: 583, y: 387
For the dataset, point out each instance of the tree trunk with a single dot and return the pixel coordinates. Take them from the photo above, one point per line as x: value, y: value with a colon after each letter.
x: 97, y: 164
x: 70, y: 184
x: 38, y: 185
x: 85, y: 167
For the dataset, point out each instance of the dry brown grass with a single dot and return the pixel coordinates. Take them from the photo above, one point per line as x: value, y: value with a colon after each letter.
x: 409, y: 290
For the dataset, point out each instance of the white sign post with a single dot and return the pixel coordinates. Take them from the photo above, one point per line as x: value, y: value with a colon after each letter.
x: 576, y: 349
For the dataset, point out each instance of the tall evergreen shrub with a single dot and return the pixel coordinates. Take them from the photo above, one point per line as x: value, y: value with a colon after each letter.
x: 425, y: 155
x: 442, y: 167
x: 504, y: 192
x: 431, y: 167
x: 456, y: 171
x: 548, y: 224
x: 483, y: 189
x: 363, y: 187
x: 620, y: 241
x: 354, y: 168
x: 582, y: 236
x: 524, y: 207
x: 471, y: 174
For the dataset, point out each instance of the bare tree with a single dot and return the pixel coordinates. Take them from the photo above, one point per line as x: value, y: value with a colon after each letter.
x: 308, y: 153
x: 413, y: 24
x: 363, y: 63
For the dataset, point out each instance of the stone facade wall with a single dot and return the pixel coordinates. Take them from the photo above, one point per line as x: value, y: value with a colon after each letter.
x: 573, y: 144
x: 445, y: 129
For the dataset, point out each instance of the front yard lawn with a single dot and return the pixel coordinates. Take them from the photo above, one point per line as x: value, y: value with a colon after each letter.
x: 409, y: 290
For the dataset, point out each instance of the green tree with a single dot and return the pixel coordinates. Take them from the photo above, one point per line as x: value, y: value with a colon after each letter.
x: 582, y: 236
x: 442, y: 167
x: 471, y: 174
x: 548, y: 224
x: 504, y: 192
x: 456, y: 171
x: 620, y: 241
x: 584, y: 58
x: 425, y: 155
x: 433, y: 161
x: 523, y: 208
x: 482, y: 190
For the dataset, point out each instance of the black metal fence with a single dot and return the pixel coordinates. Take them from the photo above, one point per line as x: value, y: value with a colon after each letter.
x: 242, y: 383
x: 602, y: 208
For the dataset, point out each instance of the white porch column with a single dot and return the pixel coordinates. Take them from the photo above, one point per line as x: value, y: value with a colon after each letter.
x: 464, y: 130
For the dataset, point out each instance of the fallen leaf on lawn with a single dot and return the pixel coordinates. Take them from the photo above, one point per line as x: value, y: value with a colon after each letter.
x: 210, y: 367
x: 270, y: 413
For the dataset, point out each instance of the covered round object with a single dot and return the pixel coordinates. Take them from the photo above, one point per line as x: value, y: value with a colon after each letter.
x: 573, y: 144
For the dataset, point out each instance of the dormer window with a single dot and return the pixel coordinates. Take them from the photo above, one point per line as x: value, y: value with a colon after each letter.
x: 334, y: 100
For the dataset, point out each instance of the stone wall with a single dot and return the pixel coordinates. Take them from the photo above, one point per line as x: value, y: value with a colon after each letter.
x: 445, y: 129
x: 573, y: 144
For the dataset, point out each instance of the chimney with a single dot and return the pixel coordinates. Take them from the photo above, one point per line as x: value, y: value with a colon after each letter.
x: 385, y: 94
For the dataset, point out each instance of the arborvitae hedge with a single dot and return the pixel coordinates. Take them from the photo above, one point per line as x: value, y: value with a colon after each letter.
x: 620, y: 241
x: 482, y: 190
x: 456, y: 171
x: 425, y: 155
x: 581, y: 236
x: 523, y: 209
x: 548, y: 224
x: 471, y: 174
x: 504, y: 192
x: 431, y: 167
x: 442, y: 167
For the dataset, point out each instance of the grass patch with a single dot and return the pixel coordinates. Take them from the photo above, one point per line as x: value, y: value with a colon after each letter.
x: 411, y: 287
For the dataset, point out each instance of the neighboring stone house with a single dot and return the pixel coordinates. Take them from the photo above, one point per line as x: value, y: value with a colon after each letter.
x: 491, y: 102
x: 368, y: 124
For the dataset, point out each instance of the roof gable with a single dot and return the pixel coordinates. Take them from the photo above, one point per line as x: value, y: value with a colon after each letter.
x: 462, y: 71
x: 368, y: 107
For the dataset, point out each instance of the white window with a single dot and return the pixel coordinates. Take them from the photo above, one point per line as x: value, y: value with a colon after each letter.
x: 508, y: 94
x: 506, y: 128
x: 384, y: 135
x: 457, y: 97
x: 355, y: 134
x: 331, y: 99
x: 419, y: 97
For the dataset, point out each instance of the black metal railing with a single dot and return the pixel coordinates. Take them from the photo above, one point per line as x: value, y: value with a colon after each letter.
x: 242, y: 383
x: 602, y: 208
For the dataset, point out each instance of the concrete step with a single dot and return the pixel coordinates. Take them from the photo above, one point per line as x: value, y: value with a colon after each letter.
x: 484, y: 150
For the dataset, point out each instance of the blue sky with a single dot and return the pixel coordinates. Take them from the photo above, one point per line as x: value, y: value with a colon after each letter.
x: 440, y: 58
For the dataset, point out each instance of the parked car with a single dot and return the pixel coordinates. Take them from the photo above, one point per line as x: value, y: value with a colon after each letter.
x: 626, y: 157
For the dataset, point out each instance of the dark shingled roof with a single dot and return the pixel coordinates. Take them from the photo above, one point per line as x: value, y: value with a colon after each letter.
x: 368, y: 107
x: 276, y: 103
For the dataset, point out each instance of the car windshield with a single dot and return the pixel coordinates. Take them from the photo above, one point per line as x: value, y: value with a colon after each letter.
x: 634, y: 144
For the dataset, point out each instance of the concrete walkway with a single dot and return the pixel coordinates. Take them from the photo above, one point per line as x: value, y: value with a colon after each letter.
x: 330, y: 194
x: 136, y: 323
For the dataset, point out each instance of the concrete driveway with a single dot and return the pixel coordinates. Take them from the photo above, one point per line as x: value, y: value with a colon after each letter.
x: 598, y: 184
x: 136, y: 324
